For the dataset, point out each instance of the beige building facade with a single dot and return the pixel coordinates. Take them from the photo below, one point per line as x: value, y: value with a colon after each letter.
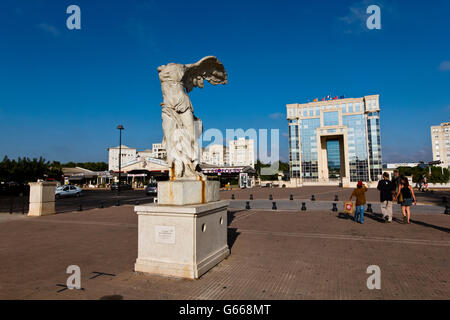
x: 131, y: 155
x: 214, y: 154
x: 335, y: 140
x: 241, y: 152
x: 440, y: 143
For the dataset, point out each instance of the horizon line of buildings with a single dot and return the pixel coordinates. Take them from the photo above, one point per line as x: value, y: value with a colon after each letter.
x: 239, y: 152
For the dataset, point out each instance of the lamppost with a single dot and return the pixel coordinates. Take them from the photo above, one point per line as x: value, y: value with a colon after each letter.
x: 120, y: 128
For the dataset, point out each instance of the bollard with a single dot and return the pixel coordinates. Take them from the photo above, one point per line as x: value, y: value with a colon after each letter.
x: 80, y: 207
x: 313, y: 198
x: 247, y: 205
x: 369, y: 208
x: 270, y: 197
x: 447, y: 209
x: 251, y: 197
x: 336, y: 198
x: 274, y: 206
x: 118, y: 203
x: 291, y: 197
x: 334, y: 209
x: 11, y: 205
x: 303, y: 206
x: 232, y: 196
x: 102, y: 204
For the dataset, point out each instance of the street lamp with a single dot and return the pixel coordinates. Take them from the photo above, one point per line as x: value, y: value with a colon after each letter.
x: 120, y: 128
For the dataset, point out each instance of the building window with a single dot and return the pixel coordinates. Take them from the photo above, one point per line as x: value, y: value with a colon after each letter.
x: 330, y: 118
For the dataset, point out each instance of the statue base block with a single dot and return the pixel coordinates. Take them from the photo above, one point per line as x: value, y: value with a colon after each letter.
x: 187, y: 192
x: 182, y: 241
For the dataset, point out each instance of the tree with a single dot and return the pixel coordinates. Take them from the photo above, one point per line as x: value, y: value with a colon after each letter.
x: 438, y: 174
x: 24, y: 170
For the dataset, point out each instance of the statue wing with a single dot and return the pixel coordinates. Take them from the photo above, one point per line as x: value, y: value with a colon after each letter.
x: 209, y: 68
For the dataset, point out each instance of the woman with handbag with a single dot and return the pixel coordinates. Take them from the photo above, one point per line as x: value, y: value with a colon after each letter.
x: 406, y: 192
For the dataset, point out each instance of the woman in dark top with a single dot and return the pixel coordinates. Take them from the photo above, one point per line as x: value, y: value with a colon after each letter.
x: 409, y: 198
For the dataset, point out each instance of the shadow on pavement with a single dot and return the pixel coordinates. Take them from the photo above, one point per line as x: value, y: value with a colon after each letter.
x: 232, y: 236
x: 424, y: 224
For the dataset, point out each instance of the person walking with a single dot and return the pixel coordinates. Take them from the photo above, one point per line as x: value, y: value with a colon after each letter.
x: 387, y: 191
x: 360, y: 194
x: 425, y: 183
x: 407, y: 192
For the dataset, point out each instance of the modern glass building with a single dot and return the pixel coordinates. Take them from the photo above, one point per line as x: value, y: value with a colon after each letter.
x: 335, y: 140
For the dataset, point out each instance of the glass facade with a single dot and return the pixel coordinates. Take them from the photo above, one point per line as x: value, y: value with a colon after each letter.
x: 308, y: 140
x: 331, y: 118
x: 357, y: 119
x: 333, y: 159
x: 294, y: 150
x: 357, y: 147
x: 373, y: 129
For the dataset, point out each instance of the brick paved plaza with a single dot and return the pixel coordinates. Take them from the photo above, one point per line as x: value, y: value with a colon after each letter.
x: 274, y: 255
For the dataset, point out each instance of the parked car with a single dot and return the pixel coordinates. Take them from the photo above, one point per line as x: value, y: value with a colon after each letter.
x: 123, y: 186
x: 67, y: 191
x: 151, y: 189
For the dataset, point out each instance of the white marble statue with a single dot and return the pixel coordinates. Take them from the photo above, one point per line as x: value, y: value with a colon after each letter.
x: 178, y: 120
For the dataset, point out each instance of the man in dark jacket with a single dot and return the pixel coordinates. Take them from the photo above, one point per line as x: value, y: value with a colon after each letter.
x: 387, y: 190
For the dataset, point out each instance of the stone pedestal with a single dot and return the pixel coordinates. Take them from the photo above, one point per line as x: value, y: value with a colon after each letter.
x: 187, y: 192
x: 181, y: 241
x: 42, y: 198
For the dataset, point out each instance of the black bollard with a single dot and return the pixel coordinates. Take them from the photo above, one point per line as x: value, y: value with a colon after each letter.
x: 118, y: 203
x: 11, y: 205
x: 369, y: 208
x: 334, y: 209
x: 270, y: 197
x: 274, y: 206
x: 303, y: 206
x: 232, y: 196
x: 247, y: 205
x: 102, y: 205
x: 336, y: 198
x: 313, y: 198
x: 447, y: 209
x: 291, y: 197
x: 80, y: 207
x: 251, y: 197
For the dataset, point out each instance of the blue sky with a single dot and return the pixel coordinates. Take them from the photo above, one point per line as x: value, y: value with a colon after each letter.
x: 63, y: 92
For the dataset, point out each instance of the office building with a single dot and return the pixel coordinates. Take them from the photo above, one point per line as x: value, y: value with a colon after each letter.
x: 440, y: 143
x: 130, y: 155
x: 335, y: 140
x: 241, y: 152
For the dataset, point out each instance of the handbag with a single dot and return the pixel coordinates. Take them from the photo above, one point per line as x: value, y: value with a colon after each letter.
x: 349, y: 207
